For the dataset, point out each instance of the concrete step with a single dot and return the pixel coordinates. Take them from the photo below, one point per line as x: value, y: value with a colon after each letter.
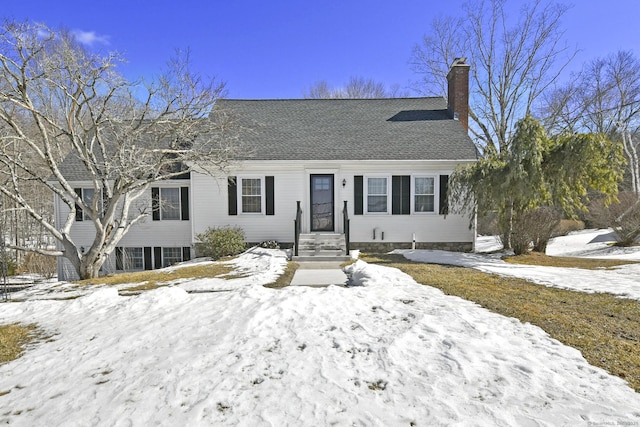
x: 321, y: 236
x: 322, y: 247
x: 321, y: 252
x: 341, y: 258
x: 314, y: 248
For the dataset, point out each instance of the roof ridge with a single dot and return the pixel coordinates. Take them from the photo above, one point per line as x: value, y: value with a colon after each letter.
x: 334, y: 99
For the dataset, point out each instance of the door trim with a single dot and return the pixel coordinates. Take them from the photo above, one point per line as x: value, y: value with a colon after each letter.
x: 333, y: 202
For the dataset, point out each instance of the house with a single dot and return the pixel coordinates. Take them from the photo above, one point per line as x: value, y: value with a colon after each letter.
x: 321, y: 176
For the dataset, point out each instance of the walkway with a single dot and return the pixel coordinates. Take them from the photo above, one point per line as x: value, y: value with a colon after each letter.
x: 319, y: 274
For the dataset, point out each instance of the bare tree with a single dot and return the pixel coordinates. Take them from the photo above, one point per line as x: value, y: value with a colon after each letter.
x: 603, y: 98
x: 61, y: 103
x: 513, y: 61
x: 356, y: 88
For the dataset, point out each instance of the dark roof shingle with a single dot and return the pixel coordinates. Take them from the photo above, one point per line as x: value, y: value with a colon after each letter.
x: 350, y: 129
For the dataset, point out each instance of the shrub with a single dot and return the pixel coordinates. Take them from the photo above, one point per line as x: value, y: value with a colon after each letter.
x: 270, y: 244
x: 8, y: 264
x: 623, y: 217
x: 220, y: 242
x: 488, y: 224
x: 566, y: 226
x: 533, y: 229
x: 44, y: 265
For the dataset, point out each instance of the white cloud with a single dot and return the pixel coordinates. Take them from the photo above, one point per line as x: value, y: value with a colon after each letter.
x: 90, y: 38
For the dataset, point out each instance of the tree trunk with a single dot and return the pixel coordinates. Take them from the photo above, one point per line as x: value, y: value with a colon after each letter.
x: 507, y: 228
x: 89, y: 269
x: 87, y: 265
x: 632, y: 157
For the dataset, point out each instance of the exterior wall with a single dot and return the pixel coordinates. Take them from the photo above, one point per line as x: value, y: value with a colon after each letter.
x: 209, y: 207
x: 162, y: 233
x: 292, y: 184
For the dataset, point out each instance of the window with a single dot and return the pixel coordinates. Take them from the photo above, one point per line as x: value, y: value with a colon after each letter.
x: 129, y: 258
x: 171, y: 256
x: 133, y: 259
x: 424, y: 190
x: 87, y: 195
x: 169, y: 203
x: 377, y: 195
x: 251, y: 195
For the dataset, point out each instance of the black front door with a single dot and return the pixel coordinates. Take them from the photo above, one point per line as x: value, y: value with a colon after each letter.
x: 321, y: 202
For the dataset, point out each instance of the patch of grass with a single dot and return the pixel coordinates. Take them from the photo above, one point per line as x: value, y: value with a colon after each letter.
x: 604, y: 328
x: 13, y: 338
x: 151, y: 279
x: 348, y: 263
x: 535, y: 258
x: 285, y: 278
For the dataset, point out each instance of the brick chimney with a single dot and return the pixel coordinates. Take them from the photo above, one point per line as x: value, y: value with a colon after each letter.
x: 458, y: 92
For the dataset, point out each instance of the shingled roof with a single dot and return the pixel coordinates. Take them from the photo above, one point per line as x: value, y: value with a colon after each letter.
x: 350, y: 129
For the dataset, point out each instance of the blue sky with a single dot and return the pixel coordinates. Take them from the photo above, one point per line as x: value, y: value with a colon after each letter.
x: 278, y: 49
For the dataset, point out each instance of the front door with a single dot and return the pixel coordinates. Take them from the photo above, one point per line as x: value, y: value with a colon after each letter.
x: 321, y: 202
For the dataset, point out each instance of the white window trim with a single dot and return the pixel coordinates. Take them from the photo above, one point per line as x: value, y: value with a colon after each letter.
x: 366, y: 194
x: 436, y: 186
x: 262, y: 194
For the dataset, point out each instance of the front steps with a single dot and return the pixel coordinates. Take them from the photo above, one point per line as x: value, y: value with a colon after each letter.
x: 322, y: 247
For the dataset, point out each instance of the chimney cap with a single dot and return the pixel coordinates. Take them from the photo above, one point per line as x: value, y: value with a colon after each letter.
x: 460, y: 61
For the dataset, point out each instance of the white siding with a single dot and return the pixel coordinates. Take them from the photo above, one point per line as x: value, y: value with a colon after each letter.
x: 209, y: 207
x: 292, y: 183
x: 169, y: 233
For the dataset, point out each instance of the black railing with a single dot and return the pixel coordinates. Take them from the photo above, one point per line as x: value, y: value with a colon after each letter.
x: 345, y: 225
x: 297, y: 223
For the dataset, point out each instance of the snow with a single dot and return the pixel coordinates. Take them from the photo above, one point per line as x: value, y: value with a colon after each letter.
x: 622, y: 281
x: 385, y: 352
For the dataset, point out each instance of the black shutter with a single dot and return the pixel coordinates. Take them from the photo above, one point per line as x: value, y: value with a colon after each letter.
x: 232, y: 187
x: 444, y: 201
x: 186, y: 253
x: 358, y: 194
x: 79, y: 216
x: 401, y: 195
x: 157, y: 257
x: 119, y: 256
x: 184, y: 202
x: 148, y: 265
x: 270, y: 201
x: 155, y: 203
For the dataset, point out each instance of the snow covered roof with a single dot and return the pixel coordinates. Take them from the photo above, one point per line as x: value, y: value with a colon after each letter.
x: 350, y: 129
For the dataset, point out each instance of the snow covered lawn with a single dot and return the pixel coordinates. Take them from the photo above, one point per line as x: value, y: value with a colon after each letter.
x: 389, y: 352
x: 623, y: 281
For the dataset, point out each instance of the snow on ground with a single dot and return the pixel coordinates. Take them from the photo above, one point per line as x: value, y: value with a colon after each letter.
x: 388, y: 352
x: 623, y: 281
x: 256, y: 266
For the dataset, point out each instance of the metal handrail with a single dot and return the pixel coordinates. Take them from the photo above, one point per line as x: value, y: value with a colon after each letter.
x: 297, y: 223
x: 345, y: 225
